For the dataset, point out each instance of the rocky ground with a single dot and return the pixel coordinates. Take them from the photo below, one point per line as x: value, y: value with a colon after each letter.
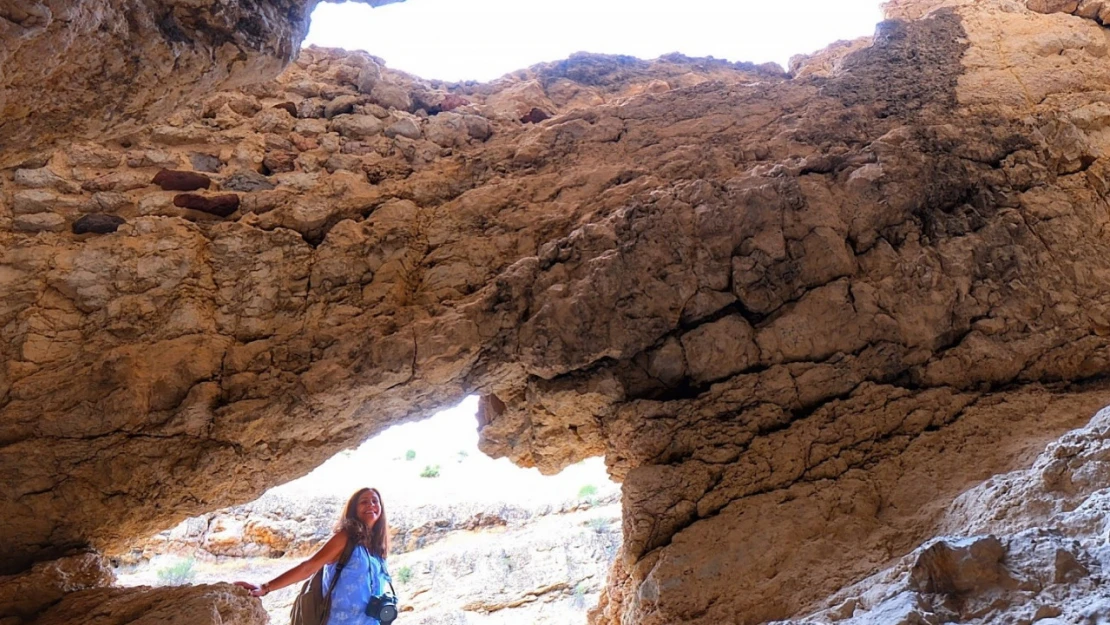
x: 1029, y: 546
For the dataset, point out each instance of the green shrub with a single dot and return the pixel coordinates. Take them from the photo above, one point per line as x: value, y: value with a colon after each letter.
x: 430, y: 471
x: 579, y: 596
x: 588, y: 494
x: 410, y: 454
x: 404, y: 574
x: 178, y: 573
x: 598, y: 524
x: 462, y: 455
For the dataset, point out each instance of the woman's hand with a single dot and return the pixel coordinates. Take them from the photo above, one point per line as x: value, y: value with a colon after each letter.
x: 256, y: 591
x: 328, y: 553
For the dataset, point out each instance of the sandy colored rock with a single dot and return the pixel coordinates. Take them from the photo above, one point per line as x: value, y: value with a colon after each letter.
x: 1020, y: 547
x: 188, y: 50
x: 798, y: 315
x: 26, y: 595
x: 219, y: 604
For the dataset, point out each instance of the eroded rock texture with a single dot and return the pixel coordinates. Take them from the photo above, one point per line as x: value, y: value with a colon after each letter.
x: 798, y: 315
x: 1023, y: 547
x: 82, y: 69
x: 352, y: 288
x: 77, y: 589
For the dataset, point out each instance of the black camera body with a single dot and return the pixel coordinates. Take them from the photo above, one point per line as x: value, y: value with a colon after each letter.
x: 383, y: 608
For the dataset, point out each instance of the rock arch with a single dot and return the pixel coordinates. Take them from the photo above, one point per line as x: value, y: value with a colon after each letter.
x: 797, y: 313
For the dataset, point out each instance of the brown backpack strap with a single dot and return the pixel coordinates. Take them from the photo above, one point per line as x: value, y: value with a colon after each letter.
x: 348, y: 551
x: 344, y: 558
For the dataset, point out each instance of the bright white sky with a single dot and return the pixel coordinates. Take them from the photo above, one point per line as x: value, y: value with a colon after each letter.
x: 466, y: 476
x: 485, y: 39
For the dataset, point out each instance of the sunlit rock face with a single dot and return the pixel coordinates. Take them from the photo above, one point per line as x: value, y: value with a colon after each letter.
x: 798, y: 316
x: 344, y: 292
x: 77, y: 589
x: 90, y: 68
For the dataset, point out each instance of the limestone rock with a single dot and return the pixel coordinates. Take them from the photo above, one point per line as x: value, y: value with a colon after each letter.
x: 154, y: 158
x: 1040, y: 562
x: 24, y: 596
x: 44, y: 178
x: 356, y: 126
x: 798, y: 315
x: 188, y: 49
x: 205, y: 162
x: 39, y: 222
x: 390, y: 96
x: 959, y: 567
x: 404, y: 127
x: 246, y: 181
x: 217, y: 604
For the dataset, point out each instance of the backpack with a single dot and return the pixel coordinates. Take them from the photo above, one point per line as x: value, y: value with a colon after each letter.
x: 312, y: 606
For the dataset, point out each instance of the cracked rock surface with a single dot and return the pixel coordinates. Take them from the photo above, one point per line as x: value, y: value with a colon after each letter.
x: 1023, y: 547
x: 77, y: 589
x: 86, y: 68
x: 798, y: 314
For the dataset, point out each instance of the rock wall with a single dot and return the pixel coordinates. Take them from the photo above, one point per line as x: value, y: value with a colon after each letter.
x: 77, y: 589
x: 156, y: 344
x: 461, y: 564
x: 1022, y: 547
x: 97, y: 67
x: 797, y: 314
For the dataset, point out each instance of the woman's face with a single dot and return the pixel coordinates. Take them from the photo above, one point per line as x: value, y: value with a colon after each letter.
x: 369, y: 508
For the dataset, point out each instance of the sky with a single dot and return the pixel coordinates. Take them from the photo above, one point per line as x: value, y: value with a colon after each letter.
x: 447, y: 441
x: 458, y: 40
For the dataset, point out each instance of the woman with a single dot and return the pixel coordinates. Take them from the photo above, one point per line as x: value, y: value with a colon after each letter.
x: 363, y: 524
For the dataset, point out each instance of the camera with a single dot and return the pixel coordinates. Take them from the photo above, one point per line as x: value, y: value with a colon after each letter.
x: 383, y: 608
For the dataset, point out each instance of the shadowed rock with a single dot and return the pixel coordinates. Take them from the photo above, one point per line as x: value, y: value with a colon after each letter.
x: 959, y: 567
x: 98, y: 224
x: 187, y: 50
x: 172, y: 180
x: 221, y: 205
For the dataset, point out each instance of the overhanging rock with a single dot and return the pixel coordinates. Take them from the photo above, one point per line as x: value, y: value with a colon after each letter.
x: 797, y: 314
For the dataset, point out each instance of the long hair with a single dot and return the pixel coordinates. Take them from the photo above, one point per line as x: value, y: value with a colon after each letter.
x: 376, y: 538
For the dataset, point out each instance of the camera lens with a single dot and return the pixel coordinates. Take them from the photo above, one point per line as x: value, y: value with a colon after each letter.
x: 388, y: 614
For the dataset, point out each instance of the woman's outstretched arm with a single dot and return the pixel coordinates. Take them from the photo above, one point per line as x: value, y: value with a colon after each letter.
x: 328, y: 553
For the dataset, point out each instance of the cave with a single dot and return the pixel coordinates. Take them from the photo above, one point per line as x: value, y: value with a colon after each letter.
x: 816, y: 320
x: 472, y: 539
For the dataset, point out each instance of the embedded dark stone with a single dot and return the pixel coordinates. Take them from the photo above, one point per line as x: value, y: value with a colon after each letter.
x: 279, y: 161
x: 534, y: 116
x: 98, y: 223
x: 221, y: 205
x: 175, y: 180
x: 453, y: 101
x: 288, y: 107
x: 204, y: 162
x: 247, y: 181
x: 37, y: 161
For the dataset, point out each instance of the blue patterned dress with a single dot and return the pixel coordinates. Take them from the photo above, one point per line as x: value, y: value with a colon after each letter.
x: 363, y: 577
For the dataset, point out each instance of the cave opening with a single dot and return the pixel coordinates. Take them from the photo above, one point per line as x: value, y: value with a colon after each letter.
x: 473, y: 539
